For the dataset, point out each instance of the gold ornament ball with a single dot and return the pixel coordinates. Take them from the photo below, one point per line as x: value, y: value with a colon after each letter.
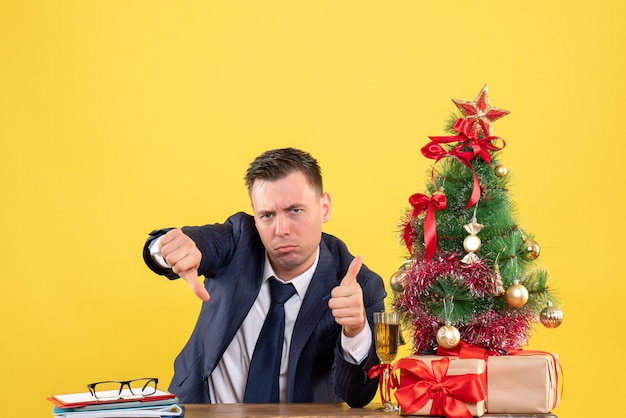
x: 516, y: 295
x: 501, y: 170
x: 551, y: 317
x: 531, y: 249
x: 397, y: 281
x: 472, y: 243
x: 448, y: 336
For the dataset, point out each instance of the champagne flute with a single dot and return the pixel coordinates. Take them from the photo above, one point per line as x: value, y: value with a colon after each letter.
x: 387, y: 336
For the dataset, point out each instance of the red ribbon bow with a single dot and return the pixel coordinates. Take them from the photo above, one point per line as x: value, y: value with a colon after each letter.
x: 421, y: 203
x: 468, y: 139
x: 378, y: 370
x: 448, y: 393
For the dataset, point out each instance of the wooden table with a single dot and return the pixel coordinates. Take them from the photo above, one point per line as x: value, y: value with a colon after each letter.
x: 306, y: 410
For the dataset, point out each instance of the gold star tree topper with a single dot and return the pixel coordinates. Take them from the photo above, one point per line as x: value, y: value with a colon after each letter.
x: 479, y: 113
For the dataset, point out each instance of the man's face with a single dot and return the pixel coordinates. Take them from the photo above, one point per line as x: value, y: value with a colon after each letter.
x: 289, y: 214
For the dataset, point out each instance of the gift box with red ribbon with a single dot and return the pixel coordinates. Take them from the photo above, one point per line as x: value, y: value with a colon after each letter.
x: 524, y: 382
x: 441, y: 386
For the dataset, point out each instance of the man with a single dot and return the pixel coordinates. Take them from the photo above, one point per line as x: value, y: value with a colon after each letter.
x: 328, y: 339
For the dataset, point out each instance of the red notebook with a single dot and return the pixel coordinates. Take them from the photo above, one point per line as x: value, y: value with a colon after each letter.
x: 81, y: 400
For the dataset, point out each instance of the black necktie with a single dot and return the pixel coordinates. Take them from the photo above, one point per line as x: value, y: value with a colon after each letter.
x: 262, y: 385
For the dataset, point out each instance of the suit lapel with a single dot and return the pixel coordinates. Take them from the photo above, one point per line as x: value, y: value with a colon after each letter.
x: 314, y: 305
x: 235, y: 305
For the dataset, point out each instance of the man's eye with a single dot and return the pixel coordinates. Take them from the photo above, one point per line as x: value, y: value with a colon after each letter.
x: 266, y: 216
x: 296, y: 210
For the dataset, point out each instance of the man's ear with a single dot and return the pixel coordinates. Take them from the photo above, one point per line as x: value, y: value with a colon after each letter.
x: 326, y: 207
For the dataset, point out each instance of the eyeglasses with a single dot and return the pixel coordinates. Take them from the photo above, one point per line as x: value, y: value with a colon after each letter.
x: 124, y: 389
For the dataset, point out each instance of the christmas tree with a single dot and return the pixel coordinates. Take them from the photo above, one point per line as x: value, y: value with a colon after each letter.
x: 471, y: 273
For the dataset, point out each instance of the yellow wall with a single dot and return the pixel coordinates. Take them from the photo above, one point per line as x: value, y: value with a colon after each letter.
x: 117, y: 117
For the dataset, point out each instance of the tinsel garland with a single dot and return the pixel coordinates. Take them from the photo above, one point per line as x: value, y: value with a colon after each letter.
x: 491, y: 324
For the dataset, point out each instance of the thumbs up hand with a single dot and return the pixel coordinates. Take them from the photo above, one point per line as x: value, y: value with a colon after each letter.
x: 346, y: 301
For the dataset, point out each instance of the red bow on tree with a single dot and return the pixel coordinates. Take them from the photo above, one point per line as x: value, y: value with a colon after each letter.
x: 469, y: 138
x: 470, y: 146
x: 421, y: 203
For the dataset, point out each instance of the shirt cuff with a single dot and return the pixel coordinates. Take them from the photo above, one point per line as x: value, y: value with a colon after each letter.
x: 155, y: 253
x: 355, y: 349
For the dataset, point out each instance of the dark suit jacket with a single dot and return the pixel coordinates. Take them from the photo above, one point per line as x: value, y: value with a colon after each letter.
x: 232, y: 263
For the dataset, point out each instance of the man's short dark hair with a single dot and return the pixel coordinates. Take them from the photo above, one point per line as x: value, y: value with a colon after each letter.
x: 278, y: 163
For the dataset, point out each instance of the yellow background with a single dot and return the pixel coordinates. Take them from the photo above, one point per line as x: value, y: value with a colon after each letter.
x: 117, y: 117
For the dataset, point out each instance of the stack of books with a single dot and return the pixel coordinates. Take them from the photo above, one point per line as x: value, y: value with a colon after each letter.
x: 160, y: 404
